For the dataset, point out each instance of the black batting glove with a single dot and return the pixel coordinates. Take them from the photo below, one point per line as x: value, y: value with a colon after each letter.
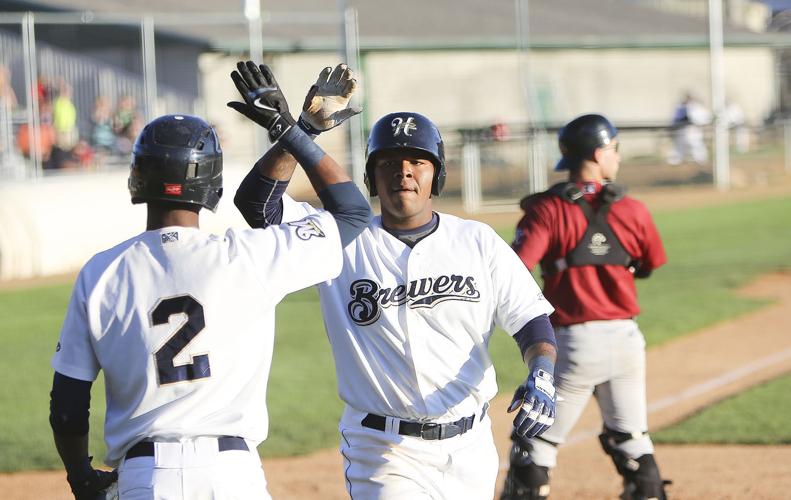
x: 264, y: 102
x: 88, y: 483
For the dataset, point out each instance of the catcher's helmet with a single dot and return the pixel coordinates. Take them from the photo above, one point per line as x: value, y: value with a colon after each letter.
x: 177, y: 158
x: 405, y: 130
x: 580, y: 137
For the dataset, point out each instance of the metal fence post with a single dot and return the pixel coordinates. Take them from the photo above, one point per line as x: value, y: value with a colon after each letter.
x: 471, y: 176
x: 31, y: 91
x: 255, y: 26
x: 351, y: 53
x: 149, y: 66
x: 787, y: 144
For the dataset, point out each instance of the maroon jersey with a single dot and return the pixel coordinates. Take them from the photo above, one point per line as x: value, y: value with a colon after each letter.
x: 551, y: 227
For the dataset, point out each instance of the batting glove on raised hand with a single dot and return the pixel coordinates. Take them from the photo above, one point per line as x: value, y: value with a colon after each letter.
x: 264, y: 102
x: 535, y: 399
x: 327, y: 103
x: 88, y: 483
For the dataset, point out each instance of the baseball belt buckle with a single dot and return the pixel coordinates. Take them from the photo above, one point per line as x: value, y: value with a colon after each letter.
x: 431, y: 430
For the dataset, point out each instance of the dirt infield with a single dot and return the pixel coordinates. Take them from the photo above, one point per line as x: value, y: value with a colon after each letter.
x: 684, y: 375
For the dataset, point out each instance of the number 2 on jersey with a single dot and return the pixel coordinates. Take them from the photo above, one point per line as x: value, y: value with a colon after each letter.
x: 198, y: 367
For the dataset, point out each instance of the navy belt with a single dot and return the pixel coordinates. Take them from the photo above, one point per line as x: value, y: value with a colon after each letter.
x: 425, y: 430
x: 224, y: 443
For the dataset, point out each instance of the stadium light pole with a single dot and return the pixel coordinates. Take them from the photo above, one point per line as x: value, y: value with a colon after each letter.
x: 722, y: 179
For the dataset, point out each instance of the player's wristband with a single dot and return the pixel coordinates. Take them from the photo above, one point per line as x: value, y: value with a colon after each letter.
x: 308, y: 128
x: 302, y: 147
x: 542, y: 363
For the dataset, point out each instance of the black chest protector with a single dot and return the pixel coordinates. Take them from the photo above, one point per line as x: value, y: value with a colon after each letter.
x: 599, y: 245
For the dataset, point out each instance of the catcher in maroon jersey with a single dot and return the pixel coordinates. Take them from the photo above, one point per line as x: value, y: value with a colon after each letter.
x: 591, y: 241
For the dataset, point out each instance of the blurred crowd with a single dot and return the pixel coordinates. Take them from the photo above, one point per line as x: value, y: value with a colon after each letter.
x: 112, y: 131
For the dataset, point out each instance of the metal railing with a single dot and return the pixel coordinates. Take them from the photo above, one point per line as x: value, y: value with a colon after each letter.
x: 492, y: 173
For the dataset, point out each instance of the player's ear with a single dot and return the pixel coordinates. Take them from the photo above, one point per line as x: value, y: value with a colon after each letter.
x: 598, y: 155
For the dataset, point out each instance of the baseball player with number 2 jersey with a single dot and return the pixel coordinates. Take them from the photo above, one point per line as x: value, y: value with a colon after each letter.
x: 410, y: 318
x: 181, y: 321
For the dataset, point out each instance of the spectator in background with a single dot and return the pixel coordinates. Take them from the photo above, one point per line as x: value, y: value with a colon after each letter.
x: 7, y: 94
x: 24, y: 140
x: 687, y: 132
x: 102, y: 135
x: 126, y: 124
x: 45, y: 93
x: 7, y: 104
x: 64, y: 118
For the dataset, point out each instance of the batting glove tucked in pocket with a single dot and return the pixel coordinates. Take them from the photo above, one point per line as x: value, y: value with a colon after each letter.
x: 535, y: 399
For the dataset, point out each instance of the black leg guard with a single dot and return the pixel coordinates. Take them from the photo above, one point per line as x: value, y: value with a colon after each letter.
x: 645, y: 483
x: 525, y: 480
x: 641, y: 479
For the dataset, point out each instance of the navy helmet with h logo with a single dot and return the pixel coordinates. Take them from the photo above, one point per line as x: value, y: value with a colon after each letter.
x: 405, y: 130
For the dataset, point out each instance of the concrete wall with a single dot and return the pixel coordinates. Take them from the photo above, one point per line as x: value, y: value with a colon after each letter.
x: 478, y: 88
x: 54, y: 225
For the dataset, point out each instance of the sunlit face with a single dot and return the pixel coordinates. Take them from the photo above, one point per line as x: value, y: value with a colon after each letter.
x: 403, y: 180
x: 610, y: 160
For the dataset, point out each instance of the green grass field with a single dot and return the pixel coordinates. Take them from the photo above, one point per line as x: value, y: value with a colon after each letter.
x: 756, y: 416
x: 711, y: 251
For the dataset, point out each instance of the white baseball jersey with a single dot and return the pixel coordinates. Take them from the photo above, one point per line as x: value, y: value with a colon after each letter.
x: 410, y: 328
x: 182, y: 323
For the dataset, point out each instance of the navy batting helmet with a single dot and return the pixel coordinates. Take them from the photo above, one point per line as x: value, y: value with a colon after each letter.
x: 405, y: 130
x: 177, y: 158
x: 580, y: 137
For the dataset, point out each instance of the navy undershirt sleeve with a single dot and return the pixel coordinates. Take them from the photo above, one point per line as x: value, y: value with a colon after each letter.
x: 69, y: 406
x: 349, y: 207
x: 538, y: 329
x: 260, y: 199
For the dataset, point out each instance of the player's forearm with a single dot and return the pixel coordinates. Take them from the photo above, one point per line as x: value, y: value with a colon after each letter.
x: 537, y: 338
x: 321, y: 169
x: 259, y: 199
x: 540, y: 350
x: 73, y: 450
x: 277, y: 164
x: 349, y: 207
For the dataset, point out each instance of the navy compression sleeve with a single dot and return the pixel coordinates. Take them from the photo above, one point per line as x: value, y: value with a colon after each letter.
x: 349, y: 207
x: 260, y: 199
x: 538, y: 329
x: 69, y: 405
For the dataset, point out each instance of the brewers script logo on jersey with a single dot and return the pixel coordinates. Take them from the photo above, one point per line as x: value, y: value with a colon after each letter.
x: 369, y: 298
x: 407, y: 127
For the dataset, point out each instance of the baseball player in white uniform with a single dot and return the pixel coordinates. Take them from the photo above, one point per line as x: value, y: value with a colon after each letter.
x: 410, y: 318
x: 181, y: 321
